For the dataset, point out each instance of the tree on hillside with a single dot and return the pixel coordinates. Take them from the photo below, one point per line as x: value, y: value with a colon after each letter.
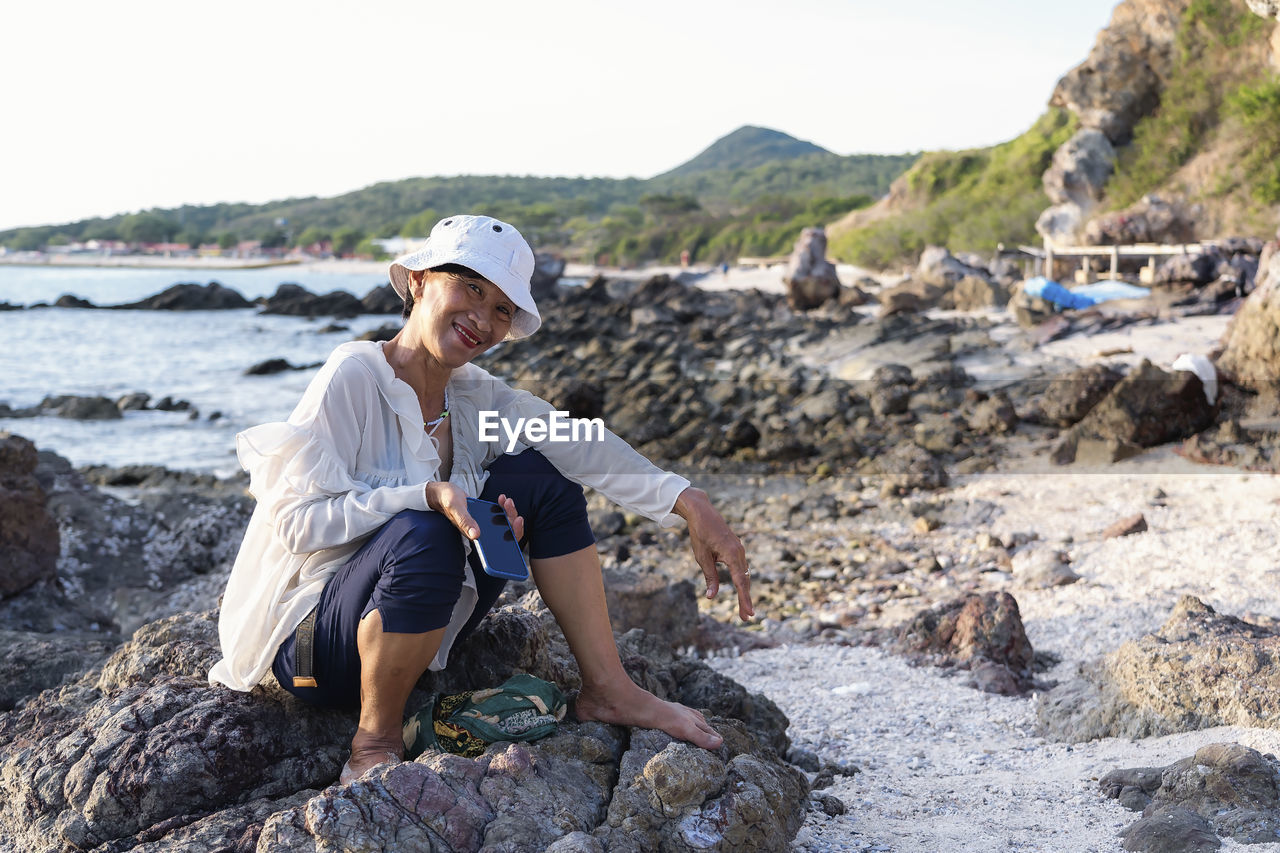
x: 345, y: 240
x: 311, y: 235
x: 146, y: 228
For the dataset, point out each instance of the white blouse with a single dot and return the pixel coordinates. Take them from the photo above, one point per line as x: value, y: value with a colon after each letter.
x: 352, y: 455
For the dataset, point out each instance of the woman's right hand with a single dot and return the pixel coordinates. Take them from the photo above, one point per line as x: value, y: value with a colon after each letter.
x: 451, y: 501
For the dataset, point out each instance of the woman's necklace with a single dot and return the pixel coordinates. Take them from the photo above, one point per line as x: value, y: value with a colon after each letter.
x: 430, y: 426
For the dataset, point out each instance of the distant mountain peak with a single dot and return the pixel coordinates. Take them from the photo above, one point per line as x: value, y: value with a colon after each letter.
x: 746, y: 148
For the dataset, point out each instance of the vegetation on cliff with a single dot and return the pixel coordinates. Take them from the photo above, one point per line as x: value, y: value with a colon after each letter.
x: 967, y: 200
x: 1216, y: 98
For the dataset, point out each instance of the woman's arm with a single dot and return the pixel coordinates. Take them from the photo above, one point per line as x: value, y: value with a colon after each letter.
x: 615, y: 469
x: 713, y: 542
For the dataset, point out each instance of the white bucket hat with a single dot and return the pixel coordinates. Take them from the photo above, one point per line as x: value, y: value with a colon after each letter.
x: 487, y: 246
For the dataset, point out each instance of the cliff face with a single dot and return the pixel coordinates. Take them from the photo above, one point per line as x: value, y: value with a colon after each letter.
x: 1174, y: 107
x: 1127, y: 69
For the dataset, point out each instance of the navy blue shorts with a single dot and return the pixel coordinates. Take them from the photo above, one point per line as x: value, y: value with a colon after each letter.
x: 410, y: 571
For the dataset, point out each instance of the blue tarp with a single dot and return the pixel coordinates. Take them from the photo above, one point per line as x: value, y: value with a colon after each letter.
x: 1084, y: 296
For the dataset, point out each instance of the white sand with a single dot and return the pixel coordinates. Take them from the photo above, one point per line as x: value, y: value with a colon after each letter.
x: 948, y: 768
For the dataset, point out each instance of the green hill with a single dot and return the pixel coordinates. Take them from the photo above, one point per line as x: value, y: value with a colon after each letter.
x: 746, y: 148
x: 751, y: 193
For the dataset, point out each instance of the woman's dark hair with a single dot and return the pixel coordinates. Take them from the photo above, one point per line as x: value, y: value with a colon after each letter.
x: 451, y: 269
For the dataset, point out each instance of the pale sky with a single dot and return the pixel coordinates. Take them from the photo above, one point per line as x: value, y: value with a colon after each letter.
x: 113, y: 107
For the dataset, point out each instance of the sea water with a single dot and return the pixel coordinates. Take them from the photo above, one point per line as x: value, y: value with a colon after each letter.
x: 198, y: 356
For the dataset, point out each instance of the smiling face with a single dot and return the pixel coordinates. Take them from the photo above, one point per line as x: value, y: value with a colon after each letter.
x: 458, y: 314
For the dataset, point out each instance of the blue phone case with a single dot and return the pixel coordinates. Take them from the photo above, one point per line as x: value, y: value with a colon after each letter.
x: 497, y: 546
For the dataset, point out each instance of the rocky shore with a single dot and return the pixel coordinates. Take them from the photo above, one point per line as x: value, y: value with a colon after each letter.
x: 867, y: 444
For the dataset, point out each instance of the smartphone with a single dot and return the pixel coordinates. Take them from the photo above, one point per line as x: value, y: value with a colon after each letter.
x: 497, y: 546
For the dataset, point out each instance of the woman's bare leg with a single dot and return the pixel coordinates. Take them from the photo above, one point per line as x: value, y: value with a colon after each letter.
x: 390, y: 665
x: 573, y: 587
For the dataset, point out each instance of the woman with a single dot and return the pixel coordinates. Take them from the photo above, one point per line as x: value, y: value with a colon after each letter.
x: 353, y: 579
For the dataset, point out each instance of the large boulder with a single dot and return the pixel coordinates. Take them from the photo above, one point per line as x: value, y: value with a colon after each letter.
x: 1198, y: 268
x: 1065, y: 400
x: 974, y: 293
x: 1061, y: 224
x: 982, y: 633
x: 1123, y: 76
x: 1252, y: 351
x: 652, y: 601
x: 29, y: 541
x: 296, y: 300
x: 1151, y: 219
x: 142, y: 753
x: 1080, y: 169
x: 938, y: 267
x: 80, y: 408
x: 191, y: 297
x: 1200, y: 669
x: 1148, y: 407
x: 547, y: 269
x: 1224, y: 789
x: 382, y: 300
x: 810, y: 278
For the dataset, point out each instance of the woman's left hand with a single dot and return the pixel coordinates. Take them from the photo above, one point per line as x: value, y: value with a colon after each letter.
x: 713, y: 542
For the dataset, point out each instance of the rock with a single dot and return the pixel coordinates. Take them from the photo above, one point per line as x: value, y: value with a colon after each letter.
x: 907, y: 468
x: 982, y: 633
x: 939, y: 268
x: 1132, y: 787
x: 1042, y: 568
x: 143, y: 751
x: 1199, y: 670
x: 1126, y: 527
x: 1199, y: 268
x: 1122, y: 78
x: 1080, y: 169
x: 1066, y: 400
x: 973, y: 293
x: 382, y: 333
x: 1061, y: 223
x: 547, y: 269
x: 274, y: 365
x: 810, y: 278
x: 29, y: 540
x: 742, y: 803
x: 136, y: 401
x: 191, y: 297
x: 1171, y: 830
x: 1230, y: 787
x: 382, y: 300
x: 67, y: 300
x: 1148, y: 407
x: 1149, y: 220
x: 652, y: 601
x: 80, y: 408
x: 31, y: 662
x: 1265, y: 8
x: 295, y: 300
x: 900, y: 300
x: 994, y: 416
x: 1252, y: 345
x: 168, y: 404
x: 1029, y: 311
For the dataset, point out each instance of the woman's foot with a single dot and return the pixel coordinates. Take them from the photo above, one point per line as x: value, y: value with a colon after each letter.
x: 631, y: 705
x: 368, y: 751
